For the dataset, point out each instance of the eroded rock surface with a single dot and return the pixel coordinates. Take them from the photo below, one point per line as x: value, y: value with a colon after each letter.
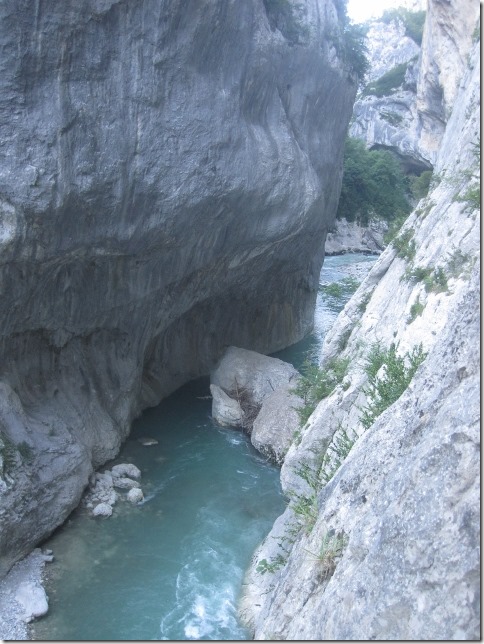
x: 381, y: 539
x: 410, y: 118
x: 168, y: 172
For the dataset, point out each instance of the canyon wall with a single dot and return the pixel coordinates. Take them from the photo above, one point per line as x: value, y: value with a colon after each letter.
x: 168, y: 172
x: 381, y: 536
x: 409, y: 117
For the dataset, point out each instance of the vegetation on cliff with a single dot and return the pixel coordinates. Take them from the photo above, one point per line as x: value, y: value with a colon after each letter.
x: 374, y: 185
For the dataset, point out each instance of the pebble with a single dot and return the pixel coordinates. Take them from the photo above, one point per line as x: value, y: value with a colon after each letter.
x: 147, y: 442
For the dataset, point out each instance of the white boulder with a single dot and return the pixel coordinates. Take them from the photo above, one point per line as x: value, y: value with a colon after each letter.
x: 33, y: 599
x: 135, y: 495
x: 102, y: 510
x: 226, y: 411
x: 126, y: 469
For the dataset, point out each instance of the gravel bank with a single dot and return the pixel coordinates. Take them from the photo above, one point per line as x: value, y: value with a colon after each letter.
x: 13, y: 616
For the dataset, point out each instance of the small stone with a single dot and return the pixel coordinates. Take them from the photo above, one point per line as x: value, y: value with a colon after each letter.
x: 147, y: 442
x: 102, y: 510
x: 135, y: 495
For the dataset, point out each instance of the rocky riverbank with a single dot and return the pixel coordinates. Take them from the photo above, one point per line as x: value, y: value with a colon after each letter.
x: 22, y: 596
x: 350, y: 237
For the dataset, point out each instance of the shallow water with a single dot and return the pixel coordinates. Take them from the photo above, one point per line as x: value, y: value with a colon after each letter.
x: 172, y: 567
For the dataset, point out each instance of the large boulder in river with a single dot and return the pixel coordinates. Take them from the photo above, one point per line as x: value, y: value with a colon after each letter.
x: 256, y: 374
x: 247, y: 378
x: 277, y: 423
x: 168, y: 172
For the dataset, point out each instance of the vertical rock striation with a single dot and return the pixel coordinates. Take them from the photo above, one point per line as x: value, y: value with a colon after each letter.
x: 168, y: 171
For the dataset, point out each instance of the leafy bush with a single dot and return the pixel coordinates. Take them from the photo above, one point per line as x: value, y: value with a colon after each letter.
x: 317, y: 383
x: 385, y: 85
x: 374, y: 185
x: 405, y: 245
x: 434, y: 279
x: 337, y: 293
x: 419, y: 185
x: 413, y: 20
x: 393, y: 229
x: 271, y: 566
x: 416, y: 309
x: 386, y: 389
x: 472, y: 197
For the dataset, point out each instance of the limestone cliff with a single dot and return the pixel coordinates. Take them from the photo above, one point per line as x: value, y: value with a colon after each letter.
x: 168, y: 173
x: 380, y: 539
x: 409, y: 114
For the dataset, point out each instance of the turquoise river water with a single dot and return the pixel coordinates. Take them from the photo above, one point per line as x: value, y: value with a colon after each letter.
x: 172, y: 567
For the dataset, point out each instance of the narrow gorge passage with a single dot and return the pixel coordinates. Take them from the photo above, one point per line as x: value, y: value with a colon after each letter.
x: 172, y: 567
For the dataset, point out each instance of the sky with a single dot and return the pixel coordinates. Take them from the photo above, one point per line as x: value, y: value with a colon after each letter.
x: 360, y: 10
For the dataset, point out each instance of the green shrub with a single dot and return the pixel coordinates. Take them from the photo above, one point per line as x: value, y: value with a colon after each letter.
x: 374, y: 185
x: 364, y: 302
x: 434, y: 279
x: 275, y: 564
x: 386, y: 84
x: 471, y: 197
x: 419, y: 185
x: 343, y: 289
x: 405, y: 245
x: 317, y: 383
x: 386, y: 389
x: 416, y: 309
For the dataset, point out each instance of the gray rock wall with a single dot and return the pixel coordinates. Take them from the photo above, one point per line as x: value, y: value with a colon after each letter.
x: 411, y: 119
x: 168, y: 171
x: 387, y: 544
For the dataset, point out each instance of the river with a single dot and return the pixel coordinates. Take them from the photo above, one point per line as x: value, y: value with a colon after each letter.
x: 172, y: 567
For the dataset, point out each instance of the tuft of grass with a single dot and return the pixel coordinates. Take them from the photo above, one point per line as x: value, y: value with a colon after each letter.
x: 336, y: 453
x: 387, y: 388
x: 330, y: 551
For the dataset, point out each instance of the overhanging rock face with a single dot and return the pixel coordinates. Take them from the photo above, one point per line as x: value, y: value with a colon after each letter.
x: 167, y: 175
